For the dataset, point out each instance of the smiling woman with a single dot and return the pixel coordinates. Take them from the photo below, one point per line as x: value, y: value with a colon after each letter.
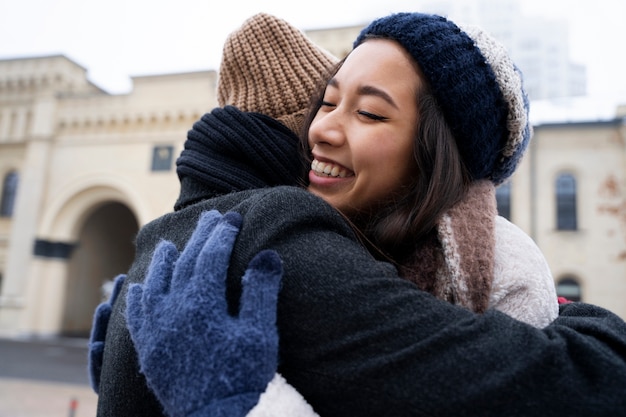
x: 409, y: 138
x: 364, y: 130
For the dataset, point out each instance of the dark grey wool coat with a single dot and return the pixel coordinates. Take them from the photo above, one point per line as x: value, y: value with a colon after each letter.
x: 356, y: 340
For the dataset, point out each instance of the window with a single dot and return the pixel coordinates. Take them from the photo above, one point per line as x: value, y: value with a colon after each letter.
x: 503, y: 200
x: 162, y: 157
x: 9, y: 191
x: 566, y: 202
x: 569, y: 288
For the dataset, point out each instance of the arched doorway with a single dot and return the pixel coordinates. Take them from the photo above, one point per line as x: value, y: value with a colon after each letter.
x: 104, y: 249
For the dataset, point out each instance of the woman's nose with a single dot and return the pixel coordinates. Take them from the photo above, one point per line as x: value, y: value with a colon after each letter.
x: 327, y: 128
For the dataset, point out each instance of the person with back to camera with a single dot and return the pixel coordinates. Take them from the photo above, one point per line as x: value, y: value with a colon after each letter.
x: 247, y: 143
x: 312, y: 352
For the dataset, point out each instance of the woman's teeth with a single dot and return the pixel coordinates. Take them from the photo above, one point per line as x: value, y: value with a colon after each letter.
x: 330, y: 170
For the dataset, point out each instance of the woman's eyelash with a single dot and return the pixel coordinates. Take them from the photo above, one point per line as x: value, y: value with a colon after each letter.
x: 372, y: 115
x: 364, y: 113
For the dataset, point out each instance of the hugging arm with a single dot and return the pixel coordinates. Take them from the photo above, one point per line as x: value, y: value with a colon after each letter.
x: 97, y: 337
x: 218, y: 364
x: 198, y: 359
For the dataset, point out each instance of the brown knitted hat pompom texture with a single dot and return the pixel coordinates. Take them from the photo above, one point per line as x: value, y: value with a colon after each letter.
x: 270, y: 67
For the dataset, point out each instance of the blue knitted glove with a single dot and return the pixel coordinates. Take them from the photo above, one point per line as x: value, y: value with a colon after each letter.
x: 198, y: 359
x: 98, y: 333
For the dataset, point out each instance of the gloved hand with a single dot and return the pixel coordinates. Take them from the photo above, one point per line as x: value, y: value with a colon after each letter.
x: 98, y: 333
x: 197, y: 358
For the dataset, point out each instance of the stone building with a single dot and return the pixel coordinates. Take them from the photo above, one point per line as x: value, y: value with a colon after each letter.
x: 569, y: 195
x: 82, y: 170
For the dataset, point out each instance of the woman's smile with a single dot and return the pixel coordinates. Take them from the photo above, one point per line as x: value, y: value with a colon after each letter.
x: 330, y: 169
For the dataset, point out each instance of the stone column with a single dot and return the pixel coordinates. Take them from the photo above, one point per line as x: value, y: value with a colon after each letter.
x: 26, y: 215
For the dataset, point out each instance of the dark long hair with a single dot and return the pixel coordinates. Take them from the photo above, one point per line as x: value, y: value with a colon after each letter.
x: 400, y: 226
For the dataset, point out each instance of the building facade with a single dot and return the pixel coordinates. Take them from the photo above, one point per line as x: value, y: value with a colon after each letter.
x: 82, y: 170
x: 569, y: 195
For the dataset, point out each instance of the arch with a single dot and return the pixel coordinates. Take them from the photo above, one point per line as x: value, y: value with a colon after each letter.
x: 77, y: 201
x: 566, y: 205
x: 568, y: 286
x: 99, y: 217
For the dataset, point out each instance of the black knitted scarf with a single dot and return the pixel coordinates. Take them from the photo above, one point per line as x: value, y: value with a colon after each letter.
x: 229, y: 150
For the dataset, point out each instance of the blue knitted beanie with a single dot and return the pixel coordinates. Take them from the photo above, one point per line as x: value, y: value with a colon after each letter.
x: 475, y: 83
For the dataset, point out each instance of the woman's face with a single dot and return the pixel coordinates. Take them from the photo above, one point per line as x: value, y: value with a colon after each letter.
x: 362, y: 136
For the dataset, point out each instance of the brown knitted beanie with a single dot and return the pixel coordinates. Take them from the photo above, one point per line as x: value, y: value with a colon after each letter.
x: 270, y: 67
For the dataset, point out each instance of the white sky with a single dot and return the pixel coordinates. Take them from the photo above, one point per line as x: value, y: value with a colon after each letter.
x: 116, y: 39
